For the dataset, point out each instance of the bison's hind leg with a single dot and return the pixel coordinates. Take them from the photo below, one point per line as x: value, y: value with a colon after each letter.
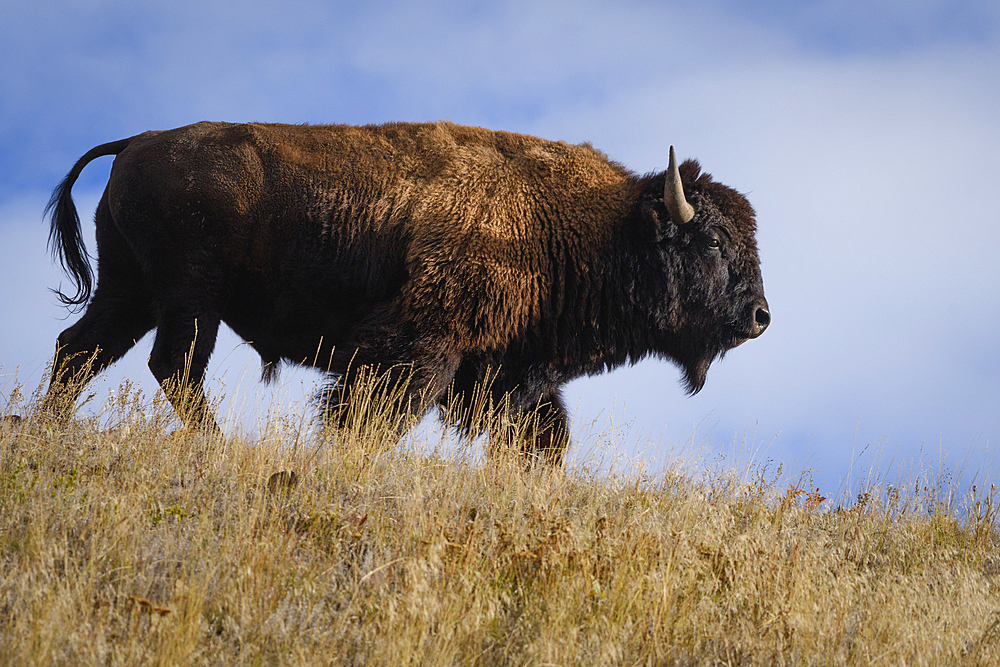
x: 108, y: 329
x: 119, y: 315
x: 185, y: 339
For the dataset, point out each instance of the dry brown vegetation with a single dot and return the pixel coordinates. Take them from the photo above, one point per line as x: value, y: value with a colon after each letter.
x: 125, y: 542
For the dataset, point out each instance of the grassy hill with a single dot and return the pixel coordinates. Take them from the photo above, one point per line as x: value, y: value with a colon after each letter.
x: 132, y: 543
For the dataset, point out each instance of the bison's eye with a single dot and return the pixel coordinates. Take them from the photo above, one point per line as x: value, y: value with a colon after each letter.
x: 714, y: 243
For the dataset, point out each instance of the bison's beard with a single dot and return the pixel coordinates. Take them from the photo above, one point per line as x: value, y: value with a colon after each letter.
x: 695, y: 363
x: 695, y: 373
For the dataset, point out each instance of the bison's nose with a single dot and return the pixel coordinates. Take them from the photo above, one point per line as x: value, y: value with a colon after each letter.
x: 761, y: 318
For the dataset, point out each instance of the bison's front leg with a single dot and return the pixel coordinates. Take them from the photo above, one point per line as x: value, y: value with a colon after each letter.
x: 387, y: 373
x: 399, y: 391
x: 533, y: 423
x: 538, y: 428
x: 549, y: 438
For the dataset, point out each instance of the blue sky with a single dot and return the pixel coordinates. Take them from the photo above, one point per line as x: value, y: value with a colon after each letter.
x: 865, y: 134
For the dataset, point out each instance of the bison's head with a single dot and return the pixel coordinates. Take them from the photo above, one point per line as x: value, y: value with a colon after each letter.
x: 709, y: 296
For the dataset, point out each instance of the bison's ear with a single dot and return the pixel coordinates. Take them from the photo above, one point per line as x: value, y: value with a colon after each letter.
x: 652, y: 226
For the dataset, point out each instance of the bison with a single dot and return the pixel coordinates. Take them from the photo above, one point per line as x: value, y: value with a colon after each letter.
x: 453, y: 259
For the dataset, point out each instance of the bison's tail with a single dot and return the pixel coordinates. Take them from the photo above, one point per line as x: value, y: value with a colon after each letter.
x: 65, y: 239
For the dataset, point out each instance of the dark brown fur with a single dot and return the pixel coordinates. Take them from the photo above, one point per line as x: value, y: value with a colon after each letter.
x: 445, y: 254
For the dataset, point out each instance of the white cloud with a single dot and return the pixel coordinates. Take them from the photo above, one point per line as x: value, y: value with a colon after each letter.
x: 872, y: 170
x: 878, y: 231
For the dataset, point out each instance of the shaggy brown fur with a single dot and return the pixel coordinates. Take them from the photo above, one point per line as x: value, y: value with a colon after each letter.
x: 446, y: 255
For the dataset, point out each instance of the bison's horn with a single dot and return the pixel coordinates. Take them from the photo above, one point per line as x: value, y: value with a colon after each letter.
x: 680, y: 211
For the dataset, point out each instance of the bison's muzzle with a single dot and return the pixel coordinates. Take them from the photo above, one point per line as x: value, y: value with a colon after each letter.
x: 761, y: 318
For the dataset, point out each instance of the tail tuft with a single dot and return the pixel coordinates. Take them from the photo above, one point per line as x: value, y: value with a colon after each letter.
x: 65, y: 239
x: 66, y: 243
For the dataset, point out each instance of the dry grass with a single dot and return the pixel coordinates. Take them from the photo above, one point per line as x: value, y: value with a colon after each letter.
x: 134, y: 545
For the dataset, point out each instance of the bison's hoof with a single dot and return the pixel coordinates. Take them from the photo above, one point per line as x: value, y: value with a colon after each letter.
x: 10, y: 420
x: 284, y: 480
